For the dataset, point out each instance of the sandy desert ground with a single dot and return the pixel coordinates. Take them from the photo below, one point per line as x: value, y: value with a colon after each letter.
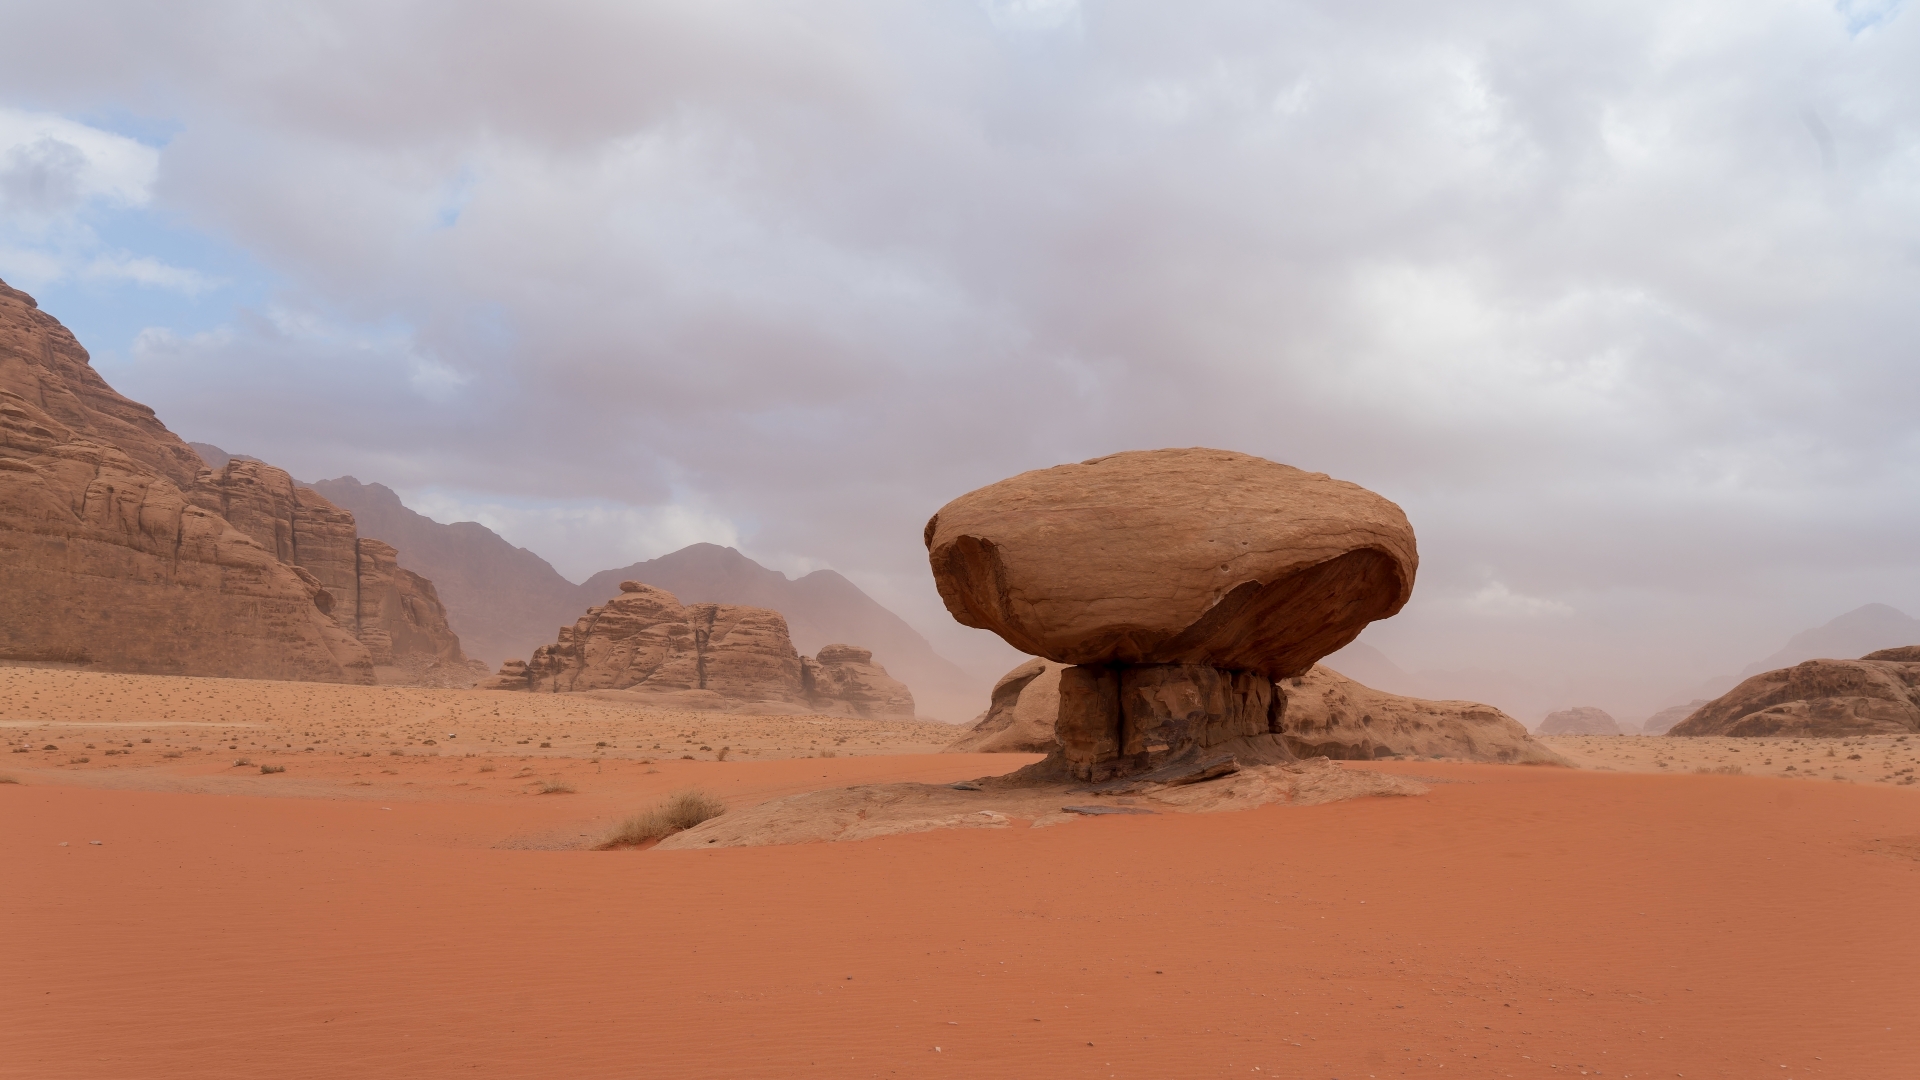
x: 393, y: 907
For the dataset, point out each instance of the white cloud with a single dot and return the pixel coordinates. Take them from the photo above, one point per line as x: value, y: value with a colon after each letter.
x: 143, y: 270
x: 50, y: 165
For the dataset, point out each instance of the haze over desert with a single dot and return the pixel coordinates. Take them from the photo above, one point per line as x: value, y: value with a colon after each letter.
x: 977, y: 538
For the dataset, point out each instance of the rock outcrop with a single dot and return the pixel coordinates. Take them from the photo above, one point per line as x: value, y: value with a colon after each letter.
x: 124, y: 550
x: 1179, y: 584
x: 645, y: 640
x: 1020, y: 714
x: 1330, y: 715
x: 1321, y: 714
x: 1583, y: 720
x: 1878, y: 694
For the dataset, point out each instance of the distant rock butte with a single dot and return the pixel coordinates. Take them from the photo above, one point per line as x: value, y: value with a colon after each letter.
x: 1321, y: 714
x: 125, y: 552
x: 1662, y: 722
x: 1878, y: 694
x: 1584, y: 720
x: 717, y: 655
x: 1180, y: 584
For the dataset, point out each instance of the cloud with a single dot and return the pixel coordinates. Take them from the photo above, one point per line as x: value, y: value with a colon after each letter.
x: 1574, y: 284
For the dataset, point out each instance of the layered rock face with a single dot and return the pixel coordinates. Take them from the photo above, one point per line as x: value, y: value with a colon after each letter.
x: 394, y: 612
x: 125, y: 551
x: 1179, y: 584
x: 1020, y: 714
x: 646, y: 640
x: 1584, y: 720
x: 1320, y: 714
x: 104, y: 561
x: 1878, y: 694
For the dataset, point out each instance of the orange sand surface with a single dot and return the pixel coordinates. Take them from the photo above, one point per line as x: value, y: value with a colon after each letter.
x: 1527, y: 922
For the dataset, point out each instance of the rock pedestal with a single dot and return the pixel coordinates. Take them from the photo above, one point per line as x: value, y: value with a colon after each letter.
x: 1126, y: 720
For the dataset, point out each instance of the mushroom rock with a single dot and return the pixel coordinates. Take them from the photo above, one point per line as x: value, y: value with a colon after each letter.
x: 1179, y: 584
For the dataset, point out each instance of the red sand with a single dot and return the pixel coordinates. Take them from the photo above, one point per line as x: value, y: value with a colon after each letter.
x: 1528, y: 923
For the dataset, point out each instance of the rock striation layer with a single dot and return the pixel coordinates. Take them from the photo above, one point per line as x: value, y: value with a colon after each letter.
x: 1178, y: 584
x: 720, y: 655
x: 1878, y: 694
x: 123, y: 550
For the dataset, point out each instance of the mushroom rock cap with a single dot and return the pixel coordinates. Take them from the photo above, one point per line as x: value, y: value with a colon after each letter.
x: 1189, y: 556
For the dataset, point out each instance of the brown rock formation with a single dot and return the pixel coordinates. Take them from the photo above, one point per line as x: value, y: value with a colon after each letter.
x: 1181, y: 584
x: 843, y: 673
x: 646, y: 640
x: 41, y: 361
x: 1330, y: 715
x: 104, y: 504
x: 1878, y: 694
x: 1020, y: 714
x: 106, y: 562
x: 394, y: 612
x: 1583, y: 720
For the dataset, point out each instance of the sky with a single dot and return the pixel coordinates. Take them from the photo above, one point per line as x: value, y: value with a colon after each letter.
x: 1619, y: 301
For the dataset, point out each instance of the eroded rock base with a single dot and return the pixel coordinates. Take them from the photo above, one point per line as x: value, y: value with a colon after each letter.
x: 1123, y: 721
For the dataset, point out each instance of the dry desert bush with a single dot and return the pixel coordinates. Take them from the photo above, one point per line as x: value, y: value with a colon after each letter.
x: 683, y: 810
x: 555, y: 787
x: 5, y: 779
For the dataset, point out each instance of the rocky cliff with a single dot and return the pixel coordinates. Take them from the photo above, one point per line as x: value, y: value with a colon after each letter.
x: 712, y: 655
x: 124, y: 550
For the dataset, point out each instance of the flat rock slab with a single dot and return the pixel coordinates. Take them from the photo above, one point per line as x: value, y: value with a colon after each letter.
x: 870, y: 811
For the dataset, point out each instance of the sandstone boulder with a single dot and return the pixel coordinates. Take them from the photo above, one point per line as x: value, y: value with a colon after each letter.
x: 1584, y: 720
x: 1179, y: 584
x: 1878, y: 694
x: 646, y: 641
x: 1173, y: 557
x: 1330, y: 715
x: 1020, y: 713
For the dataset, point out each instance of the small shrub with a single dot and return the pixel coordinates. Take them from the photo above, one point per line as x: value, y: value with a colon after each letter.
x: 264, y: 769
x: 78, y: 760
x: 555, y: 787
x: 546, y: 745
x: 722, y: 755
x: 240, y: 763
x: 688, y: 757
x: 683, y: 810
x: 6, y: 779
x: 49, y: 746
x: 486, y: 768
x: 171, y: 754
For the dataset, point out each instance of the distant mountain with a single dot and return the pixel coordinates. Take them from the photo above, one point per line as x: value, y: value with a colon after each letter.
x: 503, y: 601
x: 822, y: 608
x: 1365, y: 664
x: 1849, y: 637
x: 215, y: 457
x: 506, y: 601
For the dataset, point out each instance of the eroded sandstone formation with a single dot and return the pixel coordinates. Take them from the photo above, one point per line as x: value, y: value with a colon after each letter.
x: 124, y: 550
x: 645, y: 640
x: 1320, y: 714
x: 1878, y: 694
x: 1179, y: 584
x: 1020, y: 713
x: 1330, y: 715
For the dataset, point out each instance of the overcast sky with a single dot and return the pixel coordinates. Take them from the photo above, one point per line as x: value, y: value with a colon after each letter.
x: 1619, y: 300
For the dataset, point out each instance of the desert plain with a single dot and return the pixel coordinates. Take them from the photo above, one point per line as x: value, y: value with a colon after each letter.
x: 418, y: 895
